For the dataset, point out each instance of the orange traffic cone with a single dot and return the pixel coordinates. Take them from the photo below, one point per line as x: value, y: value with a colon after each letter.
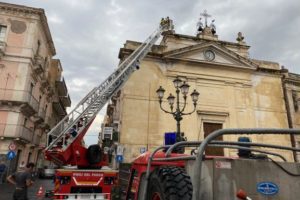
x: 40, y: 193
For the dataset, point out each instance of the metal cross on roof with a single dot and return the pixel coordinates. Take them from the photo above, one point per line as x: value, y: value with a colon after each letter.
x: 205, y: 15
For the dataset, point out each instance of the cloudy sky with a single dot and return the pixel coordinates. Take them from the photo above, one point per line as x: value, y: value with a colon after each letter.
x: 89, y: 33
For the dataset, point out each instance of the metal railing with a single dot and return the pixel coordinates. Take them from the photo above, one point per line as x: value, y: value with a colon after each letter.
x: 16, y: 131
x: 61, y: 85
x: 209, y: 141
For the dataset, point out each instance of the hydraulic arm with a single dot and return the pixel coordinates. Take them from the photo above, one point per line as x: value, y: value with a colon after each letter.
x: 62, y: 150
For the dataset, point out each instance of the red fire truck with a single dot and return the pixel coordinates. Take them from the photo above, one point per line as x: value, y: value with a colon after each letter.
x: 84, y: 184
x: 85, y: 176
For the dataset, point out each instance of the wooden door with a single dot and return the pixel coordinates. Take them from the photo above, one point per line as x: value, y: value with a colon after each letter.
x: 208, y: 129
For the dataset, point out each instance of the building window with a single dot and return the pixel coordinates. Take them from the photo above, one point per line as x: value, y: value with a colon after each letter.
x: 40, y: 99
x: 2, y: 33
x: 38, y: 47
x: 46, y: 62
x: 25, y: 121
x: 31, y: 88
x: 29, y: 157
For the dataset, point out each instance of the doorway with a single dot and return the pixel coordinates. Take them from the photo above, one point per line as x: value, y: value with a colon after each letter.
x: 208, y: 129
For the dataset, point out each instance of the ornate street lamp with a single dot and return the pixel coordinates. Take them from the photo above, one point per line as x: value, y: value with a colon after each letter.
x: 179, y: 112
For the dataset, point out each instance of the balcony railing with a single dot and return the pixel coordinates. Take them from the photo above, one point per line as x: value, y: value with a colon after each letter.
x: 39, y: 117
x: 59, y: 108
x: 65, y: 100
x: 61, y: 87
x: 20, y: 97
x: 16, y: 131
x: 38, y: 64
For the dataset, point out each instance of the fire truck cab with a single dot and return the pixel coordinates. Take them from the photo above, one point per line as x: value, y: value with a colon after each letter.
x: 84, y: 184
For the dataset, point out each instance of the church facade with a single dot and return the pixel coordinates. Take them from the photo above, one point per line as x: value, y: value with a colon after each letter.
x: 236, y: 91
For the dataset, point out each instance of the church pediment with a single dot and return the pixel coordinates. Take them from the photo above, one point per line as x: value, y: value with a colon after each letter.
x: 211, y: 53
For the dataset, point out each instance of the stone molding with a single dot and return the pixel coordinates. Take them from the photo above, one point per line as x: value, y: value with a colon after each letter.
x: 212, y: 113
x: 249, y: 63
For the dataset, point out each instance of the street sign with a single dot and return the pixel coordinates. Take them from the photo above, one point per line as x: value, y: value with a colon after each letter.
x: 120, y: 150
x: 10, y: 155
x: 12, y: 146
x: 119, y: 158
x: 107, y: 133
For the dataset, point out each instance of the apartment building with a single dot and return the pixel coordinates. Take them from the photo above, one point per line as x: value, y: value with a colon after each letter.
x: 33, y: 93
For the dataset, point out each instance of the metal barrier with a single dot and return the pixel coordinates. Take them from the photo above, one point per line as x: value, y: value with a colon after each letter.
x: 215, y: 134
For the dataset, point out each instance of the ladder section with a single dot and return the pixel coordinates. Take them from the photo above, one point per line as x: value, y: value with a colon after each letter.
x: 87, y: 109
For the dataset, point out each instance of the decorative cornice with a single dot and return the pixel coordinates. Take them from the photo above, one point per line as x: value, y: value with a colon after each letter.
x: 214, y: 44
x: 214, y: 113
x: 14, y: 8
x: 194, y: 38
x: 24, y: 10
x: 123, y: 52
x: 270, y: 71
x: 292, y: 79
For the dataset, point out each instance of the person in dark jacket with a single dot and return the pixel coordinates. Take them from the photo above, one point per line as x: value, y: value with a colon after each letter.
x: 22, y: 180
x: 73, y: 131
x: 2, y: 171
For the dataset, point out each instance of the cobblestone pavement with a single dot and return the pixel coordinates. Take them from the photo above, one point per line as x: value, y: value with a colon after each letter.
x: 6, y: 189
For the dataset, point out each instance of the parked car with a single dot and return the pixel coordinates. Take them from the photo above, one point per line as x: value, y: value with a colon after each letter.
x: 47, y: 172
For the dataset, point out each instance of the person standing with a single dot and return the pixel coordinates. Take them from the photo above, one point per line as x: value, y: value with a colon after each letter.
x: 22, y: 180
x: 2, y: 171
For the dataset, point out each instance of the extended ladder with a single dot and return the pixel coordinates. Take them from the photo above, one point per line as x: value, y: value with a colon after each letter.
x: 94, y: 101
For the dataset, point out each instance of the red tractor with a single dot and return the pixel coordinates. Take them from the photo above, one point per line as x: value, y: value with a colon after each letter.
x: 163, y: 175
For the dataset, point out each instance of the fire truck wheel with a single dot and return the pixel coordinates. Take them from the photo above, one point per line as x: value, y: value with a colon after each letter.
x: 170, y: 183
x: 94, y: 154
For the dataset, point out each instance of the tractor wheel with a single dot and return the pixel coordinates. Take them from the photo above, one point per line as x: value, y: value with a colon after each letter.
x: 94, y: 154
x: 169, y: 183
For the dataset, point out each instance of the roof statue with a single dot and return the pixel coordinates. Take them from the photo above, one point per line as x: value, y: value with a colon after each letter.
x: 213, y: 27
x: 199, y: 26
x: 206, y: 31
x: 240, y: 37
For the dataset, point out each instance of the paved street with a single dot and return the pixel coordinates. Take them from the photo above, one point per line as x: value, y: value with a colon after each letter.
x: 6, y: 190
